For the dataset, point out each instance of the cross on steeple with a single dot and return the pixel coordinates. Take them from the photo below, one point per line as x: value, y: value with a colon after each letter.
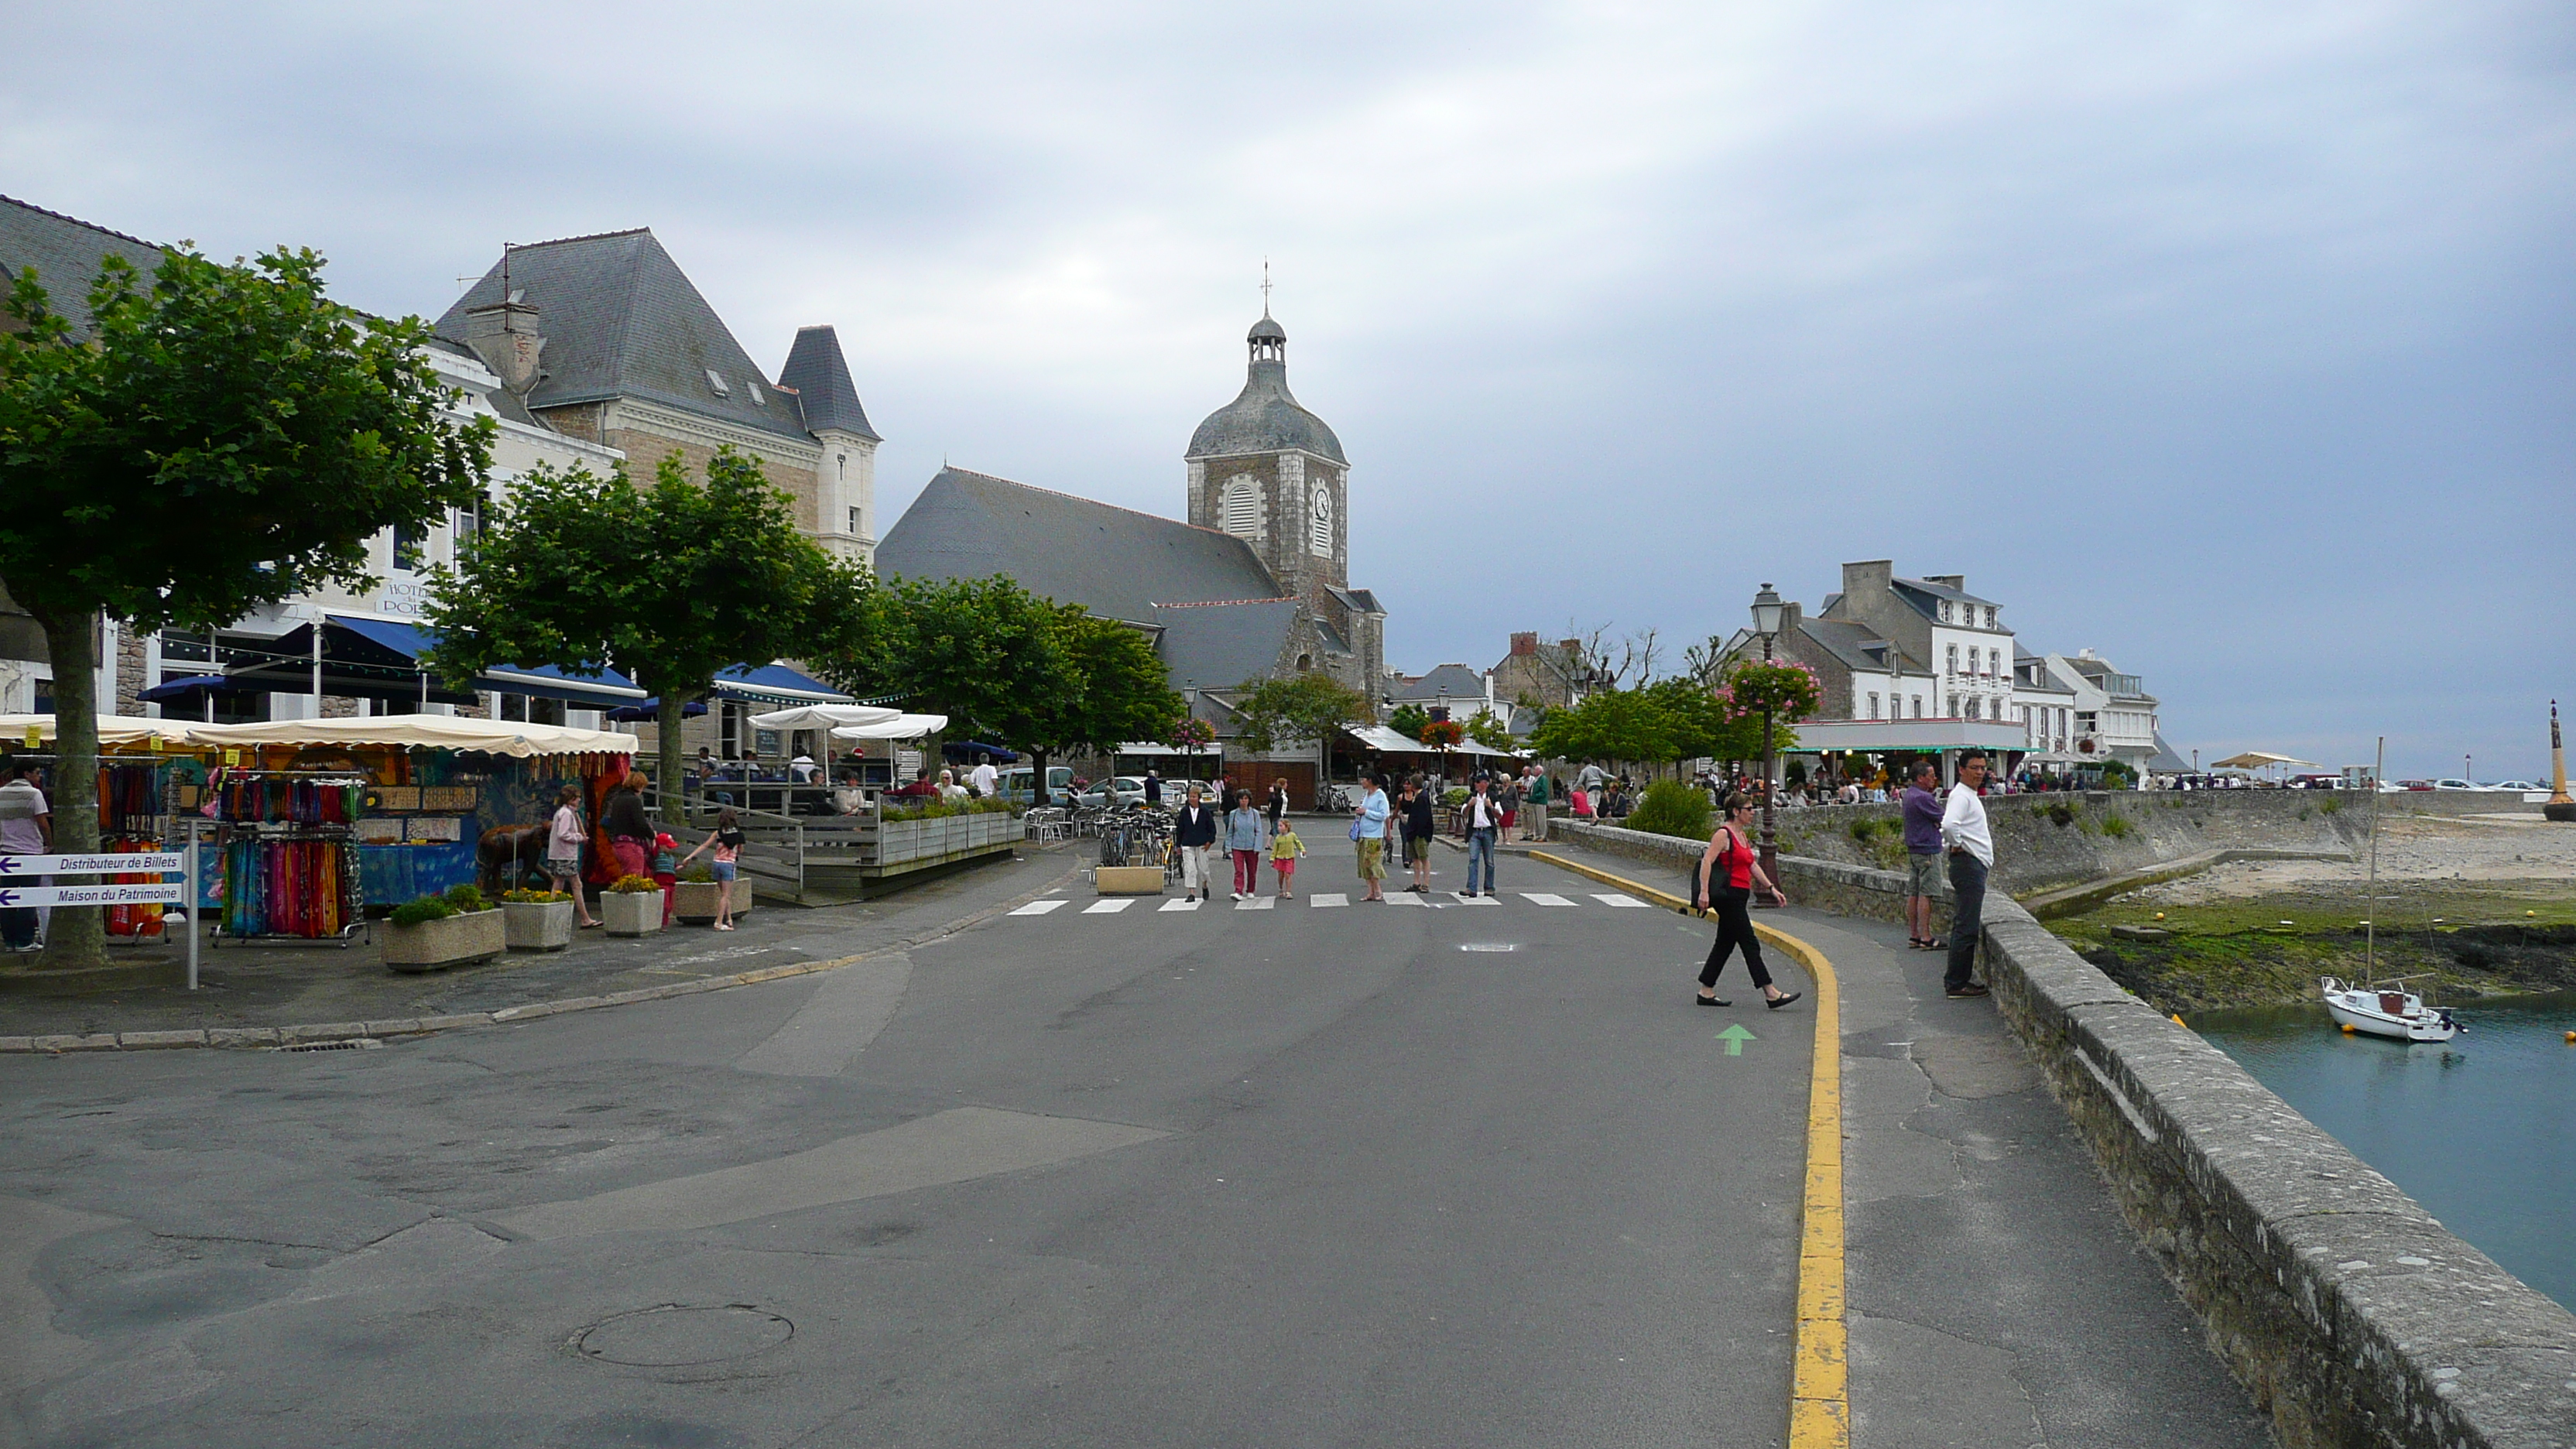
x: 1265, y: 286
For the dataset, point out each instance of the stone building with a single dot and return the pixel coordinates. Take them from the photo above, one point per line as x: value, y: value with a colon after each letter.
x: 1545, y: 676
x: 604, y: 339
x: 1253, y: 586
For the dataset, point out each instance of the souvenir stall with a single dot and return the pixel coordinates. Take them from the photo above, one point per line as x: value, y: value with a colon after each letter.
x: 143, y: 781
x: 327, y: 817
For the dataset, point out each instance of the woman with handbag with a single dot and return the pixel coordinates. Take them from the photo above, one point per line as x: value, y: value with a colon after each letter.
x: 1730, y: 850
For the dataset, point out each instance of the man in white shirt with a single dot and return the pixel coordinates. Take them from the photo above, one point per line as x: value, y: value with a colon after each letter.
x: 1972, y: 855
x: 984, y: 777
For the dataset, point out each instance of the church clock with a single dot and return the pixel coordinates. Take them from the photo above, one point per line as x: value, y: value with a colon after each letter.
x: 1319, y: 525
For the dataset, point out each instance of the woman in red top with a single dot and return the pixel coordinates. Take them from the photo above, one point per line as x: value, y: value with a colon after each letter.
x: 1730, y: 851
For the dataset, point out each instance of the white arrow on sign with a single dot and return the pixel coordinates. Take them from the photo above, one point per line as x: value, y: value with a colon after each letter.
x: 173, y: 893
x: 19, y: 867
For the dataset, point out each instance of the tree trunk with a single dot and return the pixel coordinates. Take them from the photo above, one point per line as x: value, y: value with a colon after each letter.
x: 1037, y: 779
x: 78, y: 935
x: 673, y: 755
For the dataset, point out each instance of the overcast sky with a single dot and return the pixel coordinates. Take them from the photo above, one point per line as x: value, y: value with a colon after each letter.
x: 2230, y: 341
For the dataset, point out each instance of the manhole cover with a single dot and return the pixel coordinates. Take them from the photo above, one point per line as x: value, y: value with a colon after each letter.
x: 675, y: 1336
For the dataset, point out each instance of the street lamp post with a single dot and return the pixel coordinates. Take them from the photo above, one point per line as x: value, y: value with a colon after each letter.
x: 1766, y: 622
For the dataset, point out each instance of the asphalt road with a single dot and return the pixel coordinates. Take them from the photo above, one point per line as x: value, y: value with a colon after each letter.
x: 1305, y: 1175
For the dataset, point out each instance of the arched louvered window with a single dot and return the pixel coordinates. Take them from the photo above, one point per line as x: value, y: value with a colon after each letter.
x: 1319, y: 521
x: 1241, y: 513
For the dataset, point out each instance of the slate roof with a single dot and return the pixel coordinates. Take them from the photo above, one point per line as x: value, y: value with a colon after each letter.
x: 1116, y: 562
x: 1265, y: 417
x: 1856, y: 645
x: 1358, y: 601
x: 1449, y: 681
x: 66, y: 253
x: 621, y: 319
x: 821, y: 379
x: 1218, y: 646
x: 1927, y: 590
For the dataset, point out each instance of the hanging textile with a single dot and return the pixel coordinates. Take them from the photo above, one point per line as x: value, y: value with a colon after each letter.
x: 289, y: 887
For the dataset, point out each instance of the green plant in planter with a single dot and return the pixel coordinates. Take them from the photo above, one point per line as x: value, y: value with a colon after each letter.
x: 634, y: 885
x: 698, y: 875
x: 1670, y: 807
x: 466, y: 898
x: 533, y: 898
x: 421, y: 912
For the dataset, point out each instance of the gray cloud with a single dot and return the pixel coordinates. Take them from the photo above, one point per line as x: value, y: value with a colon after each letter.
x: 2232, y: 343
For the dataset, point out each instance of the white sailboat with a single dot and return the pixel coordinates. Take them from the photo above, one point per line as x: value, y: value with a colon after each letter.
x: 2383, y: 1008
x: 2387, y: 1009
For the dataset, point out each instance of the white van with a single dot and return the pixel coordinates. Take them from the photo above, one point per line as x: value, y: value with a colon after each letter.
x: 1014, y: 784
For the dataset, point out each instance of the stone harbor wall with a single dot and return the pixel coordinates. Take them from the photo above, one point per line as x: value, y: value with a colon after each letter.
x: 2352, y: 1316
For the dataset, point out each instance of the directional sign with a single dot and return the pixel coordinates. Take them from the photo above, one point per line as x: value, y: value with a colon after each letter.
x: 1735, y: 1037
x: 19, y: 867
x: 172, y: 893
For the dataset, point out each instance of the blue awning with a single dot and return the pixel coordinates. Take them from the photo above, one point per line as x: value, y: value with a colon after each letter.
x: 609, y: 690
x: 775, y: 684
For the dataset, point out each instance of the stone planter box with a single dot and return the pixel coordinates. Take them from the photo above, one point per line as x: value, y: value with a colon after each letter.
x: 473, y: 936
x: 695, y: 900
x: 639, y: 914
x: 896, y: 842
x: 1128, y: 880
x: 537, y: 925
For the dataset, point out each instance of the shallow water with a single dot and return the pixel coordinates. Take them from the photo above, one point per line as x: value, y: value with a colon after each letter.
x: 2481, y: 1129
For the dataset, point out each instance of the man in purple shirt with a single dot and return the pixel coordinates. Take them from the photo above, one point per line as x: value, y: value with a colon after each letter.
x: 1922, y: 809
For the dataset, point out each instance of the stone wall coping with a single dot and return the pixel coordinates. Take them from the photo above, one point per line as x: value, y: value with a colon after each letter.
x: 2351, y: 1314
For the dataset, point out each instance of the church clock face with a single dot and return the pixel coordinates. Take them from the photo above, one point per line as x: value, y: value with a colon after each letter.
x: 1319, y: 525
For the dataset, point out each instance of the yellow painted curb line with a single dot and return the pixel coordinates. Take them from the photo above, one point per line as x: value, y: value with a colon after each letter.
x: 1820, y: 1384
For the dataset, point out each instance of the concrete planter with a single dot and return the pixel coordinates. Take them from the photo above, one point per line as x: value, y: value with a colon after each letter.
x: 537, y: 925
x: 695, y: 900
x: 473, y: 936
x: 638, y: 914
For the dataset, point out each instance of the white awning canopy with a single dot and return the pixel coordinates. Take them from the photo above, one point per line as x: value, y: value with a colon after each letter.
x: 1389, y: 742
x: 113, y: 729
x: 2258, y: 759
x: 513, y: 738
x: 825, y: 716
x: 901, y: 727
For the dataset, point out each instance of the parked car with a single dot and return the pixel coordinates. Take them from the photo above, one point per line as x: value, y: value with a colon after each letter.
x: 1014, y: 784
x: 2523, y: 785
x: 2448, y: 782
x: 2317, y: 782
x: 1124, y: 790
x: 2414, y: 784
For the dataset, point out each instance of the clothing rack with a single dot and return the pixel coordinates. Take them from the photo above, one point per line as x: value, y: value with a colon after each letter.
x: 290, y: 854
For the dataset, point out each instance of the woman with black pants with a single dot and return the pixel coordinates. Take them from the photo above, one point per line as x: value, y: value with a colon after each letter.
x: 1731, y: 850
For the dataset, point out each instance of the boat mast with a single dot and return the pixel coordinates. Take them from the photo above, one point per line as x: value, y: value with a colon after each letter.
x: 2370, y: 923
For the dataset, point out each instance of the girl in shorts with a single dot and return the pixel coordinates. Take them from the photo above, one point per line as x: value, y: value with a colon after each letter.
x: 1285, y: 847
x: 727, y: 844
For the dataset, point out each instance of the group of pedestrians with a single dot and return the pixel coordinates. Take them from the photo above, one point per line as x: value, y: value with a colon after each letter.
x: 1249, y: 833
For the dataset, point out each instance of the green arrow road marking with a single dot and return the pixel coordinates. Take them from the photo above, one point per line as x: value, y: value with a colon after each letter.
x: 1735, y: 1037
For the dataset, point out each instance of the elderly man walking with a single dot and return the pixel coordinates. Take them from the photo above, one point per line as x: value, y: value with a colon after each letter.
x: 1972, y: 856
x: 1534, y: 804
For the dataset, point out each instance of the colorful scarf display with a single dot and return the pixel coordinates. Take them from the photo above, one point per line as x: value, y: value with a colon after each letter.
x: 302, y: 802
x: 305, y: 888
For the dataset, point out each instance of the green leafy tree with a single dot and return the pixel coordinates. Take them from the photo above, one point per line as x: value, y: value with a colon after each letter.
x: 221, y: 438
x: 1610, y: 724
x: 985, y: 652
x: 668, y: 585
x: 1116, y: 691
x: 1490, y: 732
x: 1296, y: 709
x: 1408, y: 720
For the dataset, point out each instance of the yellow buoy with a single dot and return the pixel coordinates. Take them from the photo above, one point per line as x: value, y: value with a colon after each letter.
x: 2571, y: 1036
x: 2178, y: 1021
x: 2160, y: 915
x: 2347, y: 1028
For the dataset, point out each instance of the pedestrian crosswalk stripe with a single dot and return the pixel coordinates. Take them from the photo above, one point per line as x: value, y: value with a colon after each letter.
x: 1464, y: 899
x: 1183, y: 904
x: 1544, y: 899
x: 1037, y: 908
x: 1108, y: 906
x: 1257, y: 903
x: 1408, y: 898
x: 1611, y: 900
x: 1332, y: 898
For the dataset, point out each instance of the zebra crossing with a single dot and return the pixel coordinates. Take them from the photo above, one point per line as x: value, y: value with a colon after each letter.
x: 1332, y: 900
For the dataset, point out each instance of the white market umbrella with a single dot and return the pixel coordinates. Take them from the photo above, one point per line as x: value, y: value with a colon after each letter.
x: 825, y: 718
x: 901, y: 727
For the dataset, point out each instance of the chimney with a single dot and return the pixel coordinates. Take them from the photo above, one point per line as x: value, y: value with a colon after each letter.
x: 505, y: 336
x: 1525, y: 643
x: 1864, y: 583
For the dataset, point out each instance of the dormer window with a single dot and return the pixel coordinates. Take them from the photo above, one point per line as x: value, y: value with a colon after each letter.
x: 1990, y: 616
x: 716, y: 380
x: 757, y: 399
x: 1945, y: 603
